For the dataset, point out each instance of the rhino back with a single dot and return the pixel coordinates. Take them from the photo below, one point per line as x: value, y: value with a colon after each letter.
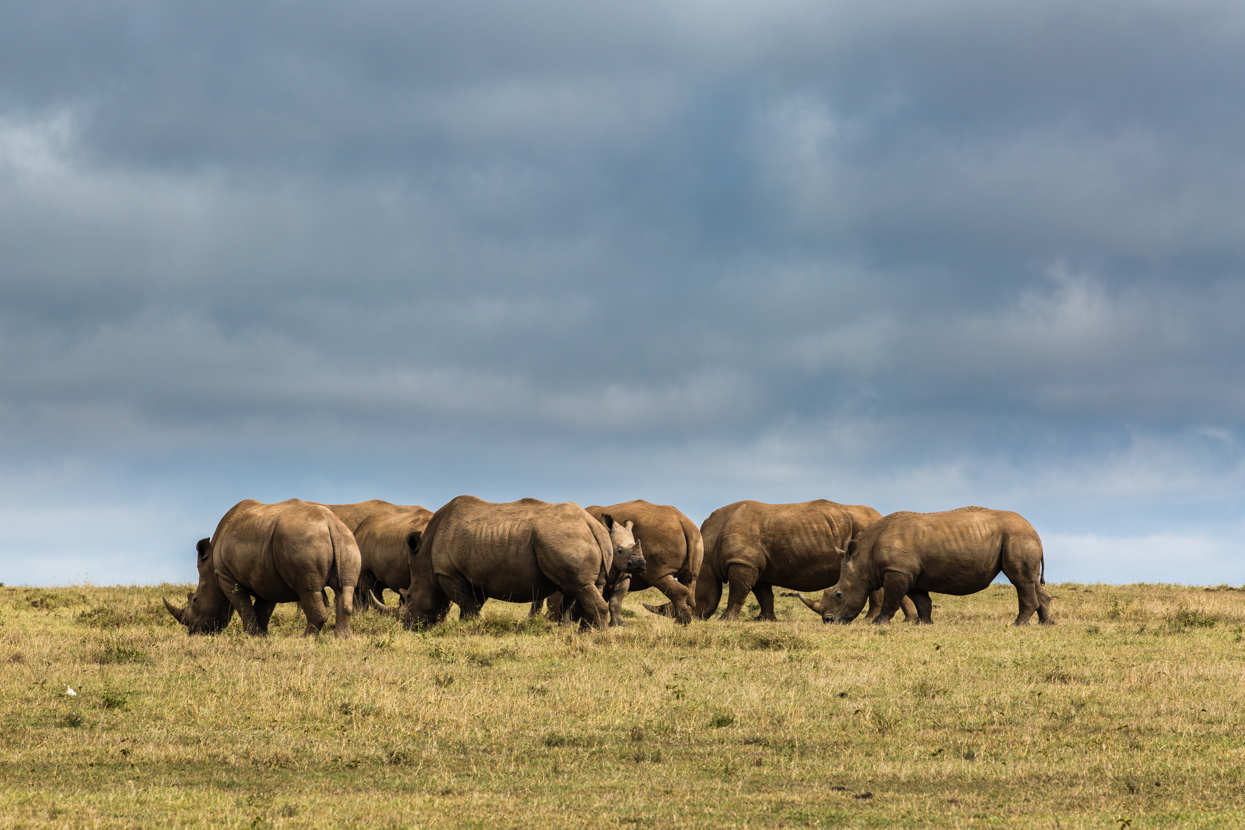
x: 795, y: 546
x: 274, y: 551
x: 493, y: 546
x: 951, y: 552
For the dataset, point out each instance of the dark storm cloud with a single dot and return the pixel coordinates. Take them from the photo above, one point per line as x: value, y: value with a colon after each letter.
x: 946, y: 252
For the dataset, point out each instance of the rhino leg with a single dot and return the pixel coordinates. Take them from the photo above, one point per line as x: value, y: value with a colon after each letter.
x: 591, y: 605
x: 462, y: 594
x: 894, y: 589
x: 924, y: 606
x: 313, y: 605
x: 263, y: 614
x: 1043, y: 599
x: 679, y: 595
x: 764, y: 592
x: 616, y: 600
x: 241, y: 602
x: 741, y: 578
x: 1027, y: 594
x: 344, y: 608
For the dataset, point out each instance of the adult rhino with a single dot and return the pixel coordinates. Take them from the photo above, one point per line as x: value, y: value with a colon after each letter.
x: 752, y: 546
x: 523, y: 551
x: 262, y: 554
x: 382, y: 531
x: 953, y: 552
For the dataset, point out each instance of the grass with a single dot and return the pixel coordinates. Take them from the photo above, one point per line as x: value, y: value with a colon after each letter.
x: 1128, y: 713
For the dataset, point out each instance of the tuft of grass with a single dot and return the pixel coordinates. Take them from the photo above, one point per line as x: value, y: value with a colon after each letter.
x: 722, y: 719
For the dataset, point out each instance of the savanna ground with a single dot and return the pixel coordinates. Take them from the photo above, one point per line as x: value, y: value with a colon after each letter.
x: 1128, y: 713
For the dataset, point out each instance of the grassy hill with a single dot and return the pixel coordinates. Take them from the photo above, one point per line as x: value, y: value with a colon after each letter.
x: 1129, y: 713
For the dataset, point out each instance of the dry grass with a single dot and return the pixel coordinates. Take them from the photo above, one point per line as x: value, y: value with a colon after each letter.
x: 1128, y: 713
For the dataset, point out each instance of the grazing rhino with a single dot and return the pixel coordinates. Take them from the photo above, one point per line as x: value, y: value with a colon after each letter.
x: 382, y: 530
x: 270, y: 553
x: 523, y: 551
x: 954, y: 552
x: 753, y: 546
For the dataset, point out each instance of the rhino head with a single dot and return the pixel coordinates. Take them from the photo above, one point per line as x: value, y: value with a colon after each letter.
x: 207, y: 610
x: 628, y: 554
x: 843, y: 601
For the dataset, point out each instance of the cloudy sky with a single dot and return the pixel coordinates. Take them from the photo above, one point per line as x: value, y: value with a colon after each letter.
x: 915, y: 255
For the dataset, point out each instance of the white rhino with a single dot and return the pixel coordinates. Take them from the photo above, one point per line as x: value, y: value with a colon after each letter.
x: 262, y: 554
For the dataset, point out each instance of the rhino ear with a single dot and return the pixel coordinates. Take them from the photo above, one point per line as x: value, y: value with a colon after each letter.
x: 851, y: 550
x: 205, y: 548
x: 413, y: 541
x: 608, y: 521
x: 630, y: 524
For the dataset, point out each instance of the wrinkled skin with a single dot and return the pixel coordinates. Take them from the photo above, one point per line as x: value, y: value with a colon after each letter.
x: 752, y: 546
x: 523, y: 551
x: 381, y: 530
x: 628, y: 560
x: 263, y: 554
x: 955, y: 552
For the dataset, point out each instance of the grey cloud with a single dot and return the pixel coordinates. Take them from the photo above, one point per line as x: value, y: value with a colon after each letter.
x: 925, y: 252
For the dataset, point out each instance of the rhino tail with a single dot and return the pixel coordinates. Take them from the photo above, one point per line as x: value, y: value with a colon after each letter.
x: 346, y: 566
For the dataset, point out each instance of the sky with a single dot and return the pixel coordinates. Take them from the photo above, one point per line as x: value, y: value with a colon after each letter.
x: 916, y: 255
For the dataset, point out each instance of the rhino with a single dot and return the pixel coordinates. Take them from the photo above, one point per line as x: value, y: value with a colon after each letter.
x: 262, y: 554
x: 522, y: 551
x: 955, y: 552
x: 382, y: 531
x: 753, y: 546
x: 628, y: 560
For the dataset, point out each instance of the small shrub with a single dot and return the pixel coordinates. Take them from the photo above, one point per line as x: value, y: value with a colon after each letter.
x: 1185, y: 618
x: 441, y: 654
x: 120, y: 651
x: 114, y: 700
x: 73, y: 720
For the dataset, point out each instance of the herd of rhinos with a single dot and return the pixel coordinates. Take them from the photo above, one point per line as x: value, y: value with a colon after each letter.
x: 583, y: 562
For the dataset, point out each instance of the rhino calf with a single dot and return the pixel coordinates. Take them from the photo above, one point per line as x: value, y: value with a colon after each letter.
x: 262, y: 554
x: 955, y: 552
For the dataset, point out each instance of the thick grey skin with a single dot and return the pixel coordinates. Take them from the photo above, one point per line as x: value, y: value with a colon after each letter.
x: 955, y: 552
x: 382, y: 529
x: 262, y: 554
x: 673, y: 552
x: 523, y: 551
x: 752, y: 546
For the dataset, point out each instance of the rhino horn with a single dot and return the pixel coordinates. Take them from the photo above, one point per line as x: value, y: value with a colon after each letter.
x: 380, y: 606
x: 179, y: 614
x: 813, y: 605
x: 666, y: 610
